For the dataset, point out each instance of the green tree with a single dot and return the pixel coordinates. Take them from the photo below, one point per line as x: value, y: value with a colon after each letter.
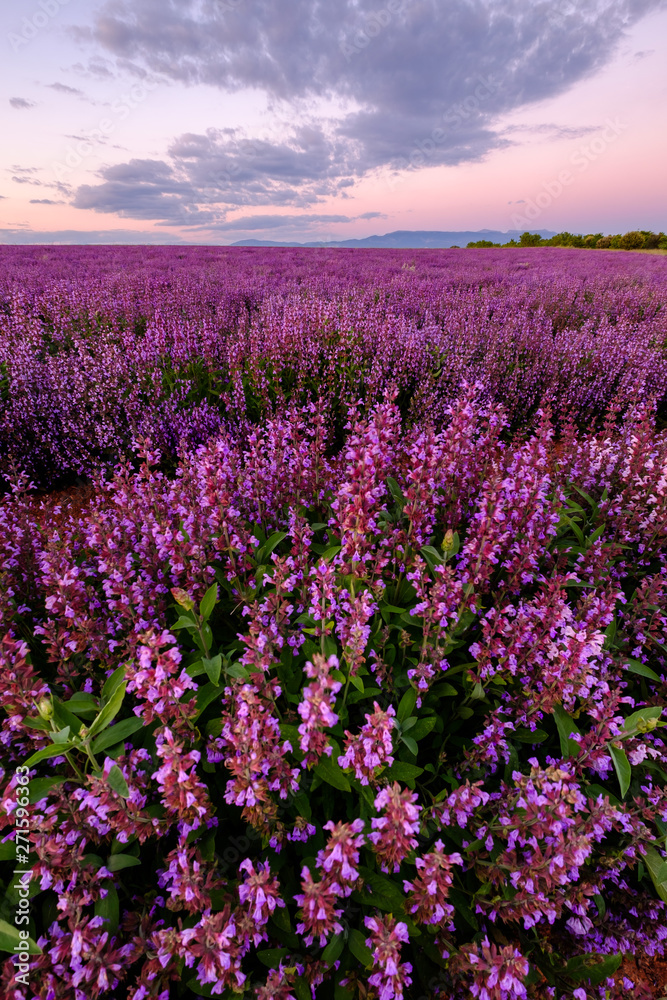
x: 634, y: 240
x: 530, y: 240
x: 651, y: 240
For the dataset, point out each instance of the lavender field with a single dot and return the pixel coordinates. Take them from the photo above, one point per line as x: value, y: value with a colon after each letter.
x: 348, y: 681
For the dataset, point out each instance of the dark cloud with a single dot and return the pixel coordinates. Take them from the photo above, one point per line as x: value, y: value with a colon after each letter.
x: 62, y: 88
x: 417, y: 83
x: 20, y: 103
x: 144, y: 189
x: 45, y: 201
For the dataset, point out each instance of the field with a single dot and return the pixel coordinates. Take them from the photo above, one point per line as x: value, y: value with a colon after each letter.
x: 333, y: 624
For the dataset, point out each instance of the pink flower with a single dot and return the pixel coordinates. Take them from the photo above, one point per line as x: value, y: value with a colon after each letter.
x: 316, y: 709
x: 430, y: 889
x: 341, y: 855
x: 392, y: 833
x: 319, y: 918
x: 371, y: 749
x: 259, y: 894
x: 389, y: 976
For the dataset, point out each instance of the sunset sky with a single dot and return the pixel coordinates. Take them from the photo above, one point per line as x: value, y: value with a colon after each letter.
x: 211, y: 121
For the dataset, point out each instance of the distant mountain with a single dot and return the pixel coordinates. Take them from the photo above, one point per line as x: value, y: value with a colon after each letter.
x: 406, y: 239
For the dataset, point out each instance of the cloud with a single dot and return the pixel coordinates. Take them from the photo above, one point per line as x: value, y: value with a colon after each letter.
x: 20, y: 103
x: 143, y: 189
x: 554, y: 132
x: 45, y: 201
x: 404, y: 77
x: 62, y: 88
x: 251, y: 223
x: 73, y: 237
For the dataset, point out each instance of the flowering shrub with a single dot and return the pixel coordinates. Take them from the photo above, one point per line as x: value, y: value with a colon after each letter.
x: 361, y: 711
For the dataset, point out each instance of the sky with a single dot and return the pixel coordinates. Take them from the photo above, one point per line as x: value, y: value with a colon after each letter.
x: 212, y: 121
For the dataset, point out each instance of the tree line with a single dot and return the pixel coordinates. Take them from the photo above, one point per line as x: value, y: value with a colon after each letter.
x: 636, y: 239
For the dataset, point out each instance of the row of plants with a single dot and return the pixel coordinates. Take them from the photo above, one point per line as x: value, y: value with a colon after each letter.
x: 102, y: 347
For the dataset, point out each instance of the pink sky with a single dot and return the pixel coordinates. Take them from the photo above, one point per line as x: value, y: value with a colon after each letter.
x: 602, y: 134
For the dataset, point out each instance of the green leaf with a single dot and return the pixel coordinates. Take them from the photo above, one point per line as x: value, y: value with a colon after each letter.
x: 410, y: 744
x: 117, y: 734
x: 526, y: 736
x: 208, y: 602
x: 62, y: 736
x: 110, y: 710
x: 39, y: 788
x: 302, y: 989
x: 445, y: 690
x: 206, y: 694
x: 269, y: 545
x: 116, y: 780
x: 329, y: 770
x: 334, y: 949
x: 637, y: 667
x: 271, y: 957
x: 380, y: 891
x: 392, y: 609
x: 236, y: 670
x: 108, y: 908
x: 566, y: 725
x: 432, y: 556
x: 396, y: 491
x: 329, y: 553
x: 622, y: 768
x: 112, y: 683
x: 399, y: 771
x: 592, y: 968
x: 10, y: 936
x: 406, y: 705
x: 50, y: 751
x: 657, y: 870
x: 341, y: 993
x: 357, y: 945
x: 213, y: 668
x: 8, y: 851
x: 644, y: 715
x: 593, y: 791
x: 37, y: 723
x: 183, y: 622
x: 423, y: 727
x: 596, y: 534
x: 357, y: 682
x: 82, y: 703
x: 117, y: 862
x: 63, y: 717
